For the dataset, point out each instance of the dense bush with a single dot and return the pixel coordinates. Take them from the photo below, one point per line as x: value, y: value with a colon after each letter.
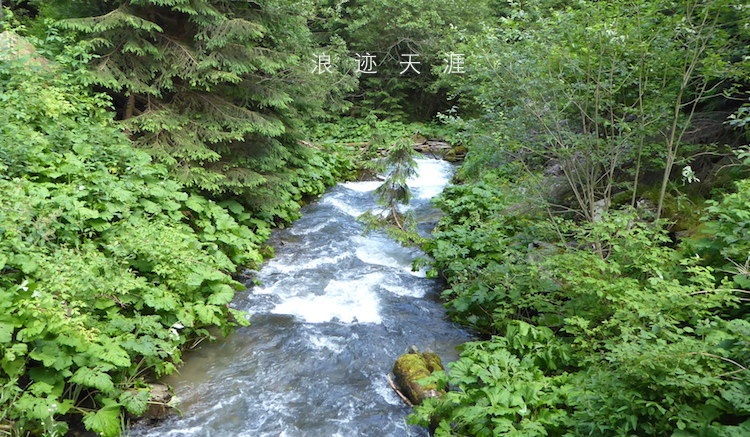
x: 107, y: 267
x: 612, y: 95
x: 595, y: 318
x: 111, y: 263
x: 725, y: 239
x: 602, y: 328
x: 217, y: 91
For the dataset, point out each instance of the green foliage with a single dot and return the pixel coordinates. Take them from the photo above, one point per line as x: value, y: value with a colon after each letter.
x: 374, y: 135
x: 596, y: 321
x: 390, y: 29
x: 502, y: 388
x: 598, y: 328
x: 481, y: 247
x: 397, y: 166
x: 643, y: 336
x: 400, y: 167
x: 741, y: 118
x: 608, y: 92
x: 345, y: 130
x: 107, y: 267
x: 725, y: 234
x: 218, y: 91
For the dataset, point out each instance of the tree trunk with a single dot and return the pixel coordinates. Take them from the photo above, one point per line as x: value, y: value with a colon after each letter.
x: 129, y: 107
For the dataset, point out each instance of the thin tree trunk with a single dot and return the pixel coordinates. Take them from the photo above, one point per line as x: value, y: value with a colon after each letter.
x: 674, y: 139
x: 129, y: 106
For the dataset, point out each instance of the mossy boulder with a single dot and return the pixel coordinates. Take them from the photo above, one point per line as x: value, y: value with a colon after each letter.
x: 455, y: 154
x: 683, y: 211
x: 413, y: 366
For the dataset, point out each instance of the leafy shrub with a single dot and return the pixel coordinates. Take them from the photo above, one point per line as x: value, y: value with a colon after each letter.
x: 726, y: 229
x: 107, y: 268
x: 481, y: 247
x: 600, y: 328
x: 501, y: 387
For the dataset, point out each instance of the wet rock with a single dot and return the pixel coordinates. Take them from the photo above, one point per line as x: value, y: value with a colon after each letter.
x: 412, y: 366
x: 554, y: 168
x: 440, y: 149
x: 159, y: 406
x: 600, y: 207
x: 432, y: 146
x: 247, y: 277
x: 368, y: 174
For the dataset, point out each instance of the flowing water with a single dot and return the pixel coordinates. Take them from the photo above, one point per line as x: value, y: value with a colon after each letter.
x: 335, y: 308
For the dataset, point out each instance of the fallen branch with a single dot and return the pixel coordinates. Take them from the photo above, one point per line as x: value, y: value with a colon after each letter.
x: 728, y: 360
x: 398, y: 392
x: 737, y: 290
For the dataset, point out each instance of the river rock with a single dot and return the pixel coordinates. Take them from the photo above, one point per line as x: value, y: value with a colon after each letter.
x: 412, y: 366
x: 440, y: 149
x: 158, y: 402
x: 455, y: 154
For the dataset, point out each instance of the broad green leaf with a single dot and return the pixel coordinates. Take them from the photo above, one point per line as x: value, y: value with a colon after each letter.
x: 106, y: 421
x: 115, y: 355
x: 6, y: 332
x: 222, y: 294
x: 206, y: 314
x: 93, y: 378
x: 135, y: 401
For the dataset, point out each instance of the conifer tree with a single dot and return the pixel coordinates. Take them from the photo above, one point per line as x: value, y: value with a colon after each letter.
x: 394, y: 190
x: 213, y: 88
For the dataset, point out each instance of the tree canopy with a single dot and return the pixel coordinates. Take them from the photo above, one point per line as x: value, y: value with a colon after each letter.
x: 216, y: 90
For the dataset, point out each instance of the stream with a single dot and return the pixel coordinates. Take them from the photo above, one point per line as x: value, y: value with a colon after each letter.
x: 333, y: 311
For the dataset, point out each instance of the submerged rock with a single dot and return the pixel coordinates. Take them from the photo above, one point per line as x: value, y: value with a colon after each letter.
x: 412, y: 366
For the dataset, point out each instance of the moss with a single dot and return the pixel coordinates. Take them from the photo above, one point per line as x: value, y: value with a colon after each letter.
x: 457, y: 153
x: 684, y: 211
x: 411, y: 367
x: 433, y: 361
x: 622, y: 198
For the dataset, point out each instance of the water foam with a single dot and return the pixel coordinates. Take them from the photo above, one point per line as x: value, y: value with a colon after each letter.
x: 383, y: 388
x: 380, y: 251
x: 352, y: 301
x: 320, y: 342
x: 310, y: 259
x: 311, y: 230
x: 319, y: 262
x: 432, y: 177
x: 363, y: 186
x: 343, y: 206
x: 400, y: 290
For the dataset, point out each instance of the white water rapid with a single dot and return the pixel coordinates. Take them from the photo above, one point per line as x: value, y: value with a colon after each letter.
x: 335, y: 308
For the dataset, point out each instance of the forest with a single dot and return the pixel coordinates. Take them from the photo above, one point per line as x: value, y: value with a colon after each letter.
x: 595, y: 239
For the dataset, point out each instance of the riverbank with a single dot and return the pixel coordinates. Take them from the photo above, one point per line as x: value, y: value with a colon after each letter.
x: 109, y: 266
x: 609, y: 327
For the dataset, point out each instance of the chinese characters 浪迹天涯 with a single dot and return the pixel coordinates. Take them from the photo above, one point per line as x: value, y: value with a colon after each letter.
x: 366, y: 63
